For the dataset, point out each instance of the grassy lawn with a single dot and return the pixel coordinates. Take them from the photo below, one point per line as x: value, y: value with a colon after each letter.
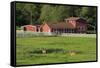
x: 58, y: 50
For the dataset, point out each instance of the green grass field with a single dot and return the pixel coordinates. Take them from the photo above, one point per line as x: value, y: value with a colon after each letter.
x: 58, y: 50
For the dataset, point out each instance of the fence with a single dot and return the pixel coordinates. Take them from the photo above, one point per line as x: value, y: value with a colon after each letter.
x: 33, y: 34
x: 25, y: 34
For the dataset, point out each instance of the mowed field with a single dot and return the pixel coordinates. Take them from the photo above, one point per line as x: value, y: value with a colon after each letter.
x: 60, y: 49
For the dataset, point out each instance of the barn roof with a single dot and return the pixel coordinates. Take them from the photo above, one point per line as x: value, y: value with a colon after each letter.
x: 74, y: 18
x: 78, y: 19
x: 62, y: 25
x: 29, y: 25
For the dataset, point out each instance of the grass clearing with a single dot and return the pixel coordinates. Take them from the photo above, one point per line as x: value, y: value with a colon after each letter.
x: 84, y: 48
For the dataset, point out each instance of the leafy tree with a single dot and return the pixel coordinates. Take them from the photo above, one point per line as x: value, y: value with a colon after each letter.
x: 89, y: 13
x: 27, y: 13
x: 54, y: 13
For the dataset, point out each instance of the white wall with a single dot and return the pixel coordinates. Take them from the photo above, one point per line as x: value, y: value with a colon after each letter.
x: 5, y: 34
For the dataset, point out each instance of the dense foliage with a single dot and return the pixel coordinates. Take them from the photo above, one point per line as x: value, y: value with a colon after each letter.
x: 38, y: 13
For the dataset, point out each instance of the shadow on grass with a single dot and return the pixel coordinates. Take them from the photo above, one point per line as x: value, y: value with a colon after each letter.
x: 53, y: 50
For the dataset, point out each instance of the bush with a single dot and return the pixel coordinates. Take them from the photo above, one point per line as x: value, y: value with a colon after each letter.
x: 18, y: 28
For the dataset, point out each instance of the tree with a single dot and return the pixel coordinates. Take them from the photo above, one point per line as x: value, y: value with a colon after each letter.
x: 54, y: 13
x: 89, y: 13
x: 38, y: 13
x: 29, y: 13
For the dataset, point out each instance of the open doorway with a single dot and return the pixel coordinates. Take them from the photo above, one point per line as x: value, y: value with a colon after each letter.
x: 24, y: 28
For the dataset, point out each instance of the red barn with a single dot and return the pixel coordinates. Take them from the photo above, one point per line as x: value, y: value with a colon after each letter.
x: 71, y: 25
x: 78, y: 23
x: 29, y: 28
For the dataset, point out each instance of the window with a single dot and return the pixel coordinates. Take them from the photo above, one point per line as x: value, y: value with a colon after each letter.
x: 67, y: 20
x: 65, y: 30
x: 68, y: 30
x: 52, y: 30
